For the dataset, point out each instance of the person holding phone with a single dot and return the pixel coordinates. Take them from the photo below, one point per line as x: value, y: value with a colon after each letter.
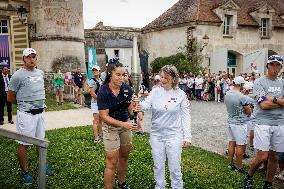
x: 58, y: 82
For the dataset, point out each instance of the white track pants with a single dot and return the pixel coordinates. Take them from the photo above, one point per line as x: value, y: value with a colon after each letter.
x: 171, y: 149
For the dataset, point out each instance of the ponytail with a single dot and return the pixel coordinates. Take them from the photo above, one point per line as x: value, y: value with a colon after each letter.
x: 110, y: 68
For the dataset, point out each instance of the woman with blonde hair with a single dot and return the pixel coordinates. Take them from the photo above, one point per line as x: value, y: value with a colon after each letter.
x: 170, y: 129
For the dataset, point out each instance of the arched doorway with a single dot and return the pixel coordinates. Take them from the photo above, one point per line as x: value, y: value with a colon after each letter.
x: 234, y: 62
x: 231, y: 63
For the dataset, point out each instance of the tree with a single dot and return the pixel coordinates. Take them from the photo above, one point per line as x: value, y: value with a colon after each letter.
x: 193, y: 56
x: 188, y: 60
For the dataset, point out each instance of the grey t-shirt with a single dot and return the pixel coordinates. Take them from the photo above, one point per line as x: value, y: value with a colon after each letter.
x: 93, y: 84
x: 29, y: 88
x: 235, y: 101
x: 273, y: 88
x: 253, y: 103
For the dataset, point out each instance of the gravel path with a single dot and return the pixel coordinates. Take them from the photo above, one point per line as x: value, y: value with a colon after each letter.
x: 208, y: 125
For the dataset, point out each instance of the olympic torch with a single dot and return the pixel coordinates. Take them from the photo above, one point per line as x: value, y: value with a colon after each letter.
x: 135, y: 71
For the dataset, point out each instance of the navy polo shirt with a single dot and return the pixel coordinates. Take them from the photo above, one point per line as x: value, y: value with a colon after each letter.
x: 78, y: 79
x: 117, y: 105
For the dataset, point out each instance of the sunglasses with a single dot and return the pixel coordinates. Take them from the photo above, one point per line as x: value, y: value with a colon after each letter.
x: 33, y: 56
x: 275, y: 58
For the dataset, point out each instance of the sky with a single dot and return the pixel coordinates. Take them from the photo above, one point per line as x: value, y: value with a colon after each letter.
x: 123, y: 13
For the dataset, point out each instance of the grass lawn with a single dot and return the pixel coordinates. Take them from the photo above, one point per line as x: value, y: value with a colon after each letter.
x: 78, y: 163
x: 51, y: 104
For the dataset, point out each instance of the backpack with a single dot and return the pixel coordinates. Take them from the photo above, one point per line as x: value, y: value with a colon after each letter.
x: 98, y: 85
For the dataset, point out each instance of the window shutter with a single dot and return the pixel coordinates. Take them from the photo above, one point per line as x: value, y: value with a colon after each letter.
x: 19, y: 35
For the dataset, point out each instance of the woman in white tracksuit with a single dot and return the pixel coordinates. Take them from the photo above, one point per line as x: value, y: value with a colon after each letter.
x: 170, y: 129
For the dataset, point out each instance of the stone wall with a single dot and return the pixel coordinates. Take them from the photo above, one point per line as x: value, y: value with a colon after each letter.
x: 60, y: 30
x: 99, y: 38
x: 243, y: 41
x: 48, y: 53
x: 125, y: 55
x: 164, y: 43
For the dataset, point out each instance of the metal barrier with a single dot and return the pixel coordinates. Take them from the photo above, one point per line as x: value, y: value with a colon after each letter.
x: 69, y: 93
x: 42, y: 144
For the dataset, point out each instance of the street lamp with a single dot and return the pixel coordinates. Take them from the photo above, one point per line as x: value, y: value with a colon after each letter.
x: 21, y: 12
x: 205, y: 40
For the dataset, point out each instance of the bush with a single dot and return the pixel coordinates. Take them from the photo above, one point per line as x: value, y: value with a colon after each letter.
x: 188, y: 60
x: 179, y: 60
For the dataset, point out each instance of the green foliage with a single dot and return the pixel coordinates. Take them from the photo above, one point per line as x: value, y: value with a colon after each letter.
x: 188, y: 60
x: 79, y: 163
x: 177, y: 60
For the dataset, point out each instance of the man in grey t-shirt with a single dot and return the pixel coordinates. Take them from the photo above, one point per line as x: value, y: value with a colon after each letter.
x: 238, y: 110
x: 269, y: 119
x: 27, y: 88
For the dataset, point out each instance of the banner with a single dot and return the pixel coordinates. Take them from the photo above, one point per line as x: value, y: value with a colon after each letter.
x: 4, y: 51
x: 92, y: 61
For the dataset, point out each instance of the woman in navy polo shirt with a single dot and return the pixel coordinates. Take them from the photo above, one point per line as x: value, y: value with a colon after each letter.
x: 115, y: 107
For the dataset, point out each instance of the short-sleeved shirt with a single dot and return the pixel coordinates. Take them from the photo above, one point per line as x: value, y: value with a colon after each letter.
x: 59, y: 81
x: 78, y: 79
x: 273, y: 88
x: 117, y: 105
x: 253, y: 103
x: 235, y: 102
x: 29, y: 89
x: 93, y: 84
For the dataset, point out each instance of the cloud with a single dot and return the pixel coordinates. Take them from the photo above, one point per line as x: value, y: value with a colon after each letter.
x: 124, y: 1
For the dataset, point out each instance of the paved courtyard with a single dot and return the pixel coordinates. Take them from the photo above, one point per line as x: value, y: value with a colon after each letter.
x: 208, y: 125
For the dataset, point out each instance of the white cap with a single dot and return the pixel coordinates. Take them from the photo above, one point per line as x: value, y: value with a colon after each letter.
x: 239, y: 80
x: 28, y: 51
x: 248, y: 85
x: 96, y: 67
x: 157, y: 77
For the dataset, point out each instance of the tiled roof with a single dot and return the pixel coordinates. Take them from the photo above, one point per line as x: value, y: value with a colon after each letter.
x: 182, y: 12
x: 101, y: 27
x: 185, y: 11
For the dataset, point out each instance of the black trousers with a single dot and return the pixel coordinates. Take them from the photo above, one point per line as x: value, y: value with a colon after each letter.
x: 3, y: 102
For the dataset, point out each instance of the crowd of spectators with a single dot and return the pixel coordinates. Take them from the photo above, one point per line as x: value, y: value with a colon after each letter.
x: 203, y: 86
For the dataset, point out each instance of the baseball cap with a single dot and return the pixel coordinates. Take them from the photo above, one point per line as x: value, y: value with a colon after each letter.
x: 275, y: 58
x: 248, y: 85
x: 96, y: 67
x: 28, y: 51
x: 157, y: 77
x: 239, y: 80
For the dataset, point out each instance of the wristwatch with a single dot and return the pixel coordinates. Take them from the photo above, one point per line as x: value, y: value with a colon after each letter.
x: 274, y: 100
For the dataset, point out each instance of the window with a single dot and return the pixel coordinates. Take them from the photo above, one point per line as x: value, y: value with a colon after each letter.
x: 3, y: 27
x: 232, y: 60
x: 264, y: 27
x: 116, y: 53
x: 227, y: 24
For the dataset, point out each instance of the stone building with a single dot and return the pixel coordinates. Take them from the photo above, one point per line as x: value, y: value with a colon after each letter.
x: 111, y: 42
x: 53, y: 27
x: 242, y: 33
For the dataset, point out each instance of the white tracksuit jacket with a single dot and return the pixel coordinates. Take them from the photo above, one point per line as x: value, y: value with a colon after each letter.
x: 170, y: 127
